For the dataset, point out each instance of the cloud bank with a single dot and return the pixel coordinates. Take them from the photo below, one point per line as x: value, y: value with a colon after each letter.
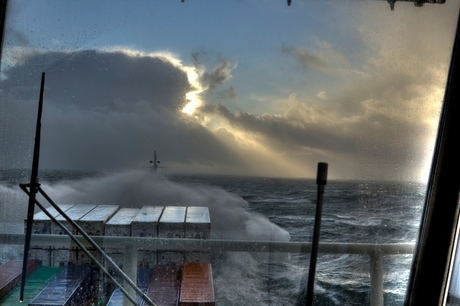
x: 371, y: 113
x: 106, y: 110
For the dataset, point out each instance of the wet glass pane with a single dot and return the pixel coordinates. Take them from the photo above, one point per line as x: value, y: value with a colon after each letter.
x: 230, y: 106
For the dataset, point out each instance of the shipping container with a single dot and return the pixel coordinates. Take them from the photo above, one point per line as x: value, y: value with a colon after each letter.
x: 143, y: 278
x: 171, y: 225
x: 164, y: 285
x: 197, y: 287
x: 197, y: 223
x: 42, y: 254
x: 93, y: 222
x: 119, y: 225
x: 72, y: 286
x: 197, y: 226
x: 64, y: 254
x: 43, y: 225
x: 74, y: 213
x: 35, y: 283
x: 172, y: 222
x: 11, y: 272
x: 145, y: 224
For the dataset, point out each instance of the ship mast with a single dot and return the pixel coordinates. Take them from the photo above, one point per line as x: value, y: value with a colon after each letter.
x: 155, y: 163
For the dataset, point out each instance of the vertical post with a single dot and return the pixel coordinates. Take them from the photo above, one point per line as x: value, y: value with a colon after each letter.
x: 321, y: 181
x: 376, y: 279
x: 33, y: 188
x: 130, y: 264
x: 3, y: 5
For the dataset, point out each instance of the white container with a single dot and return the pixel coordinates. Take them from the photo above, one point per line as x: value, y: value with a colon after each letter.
x: 197, y: 223
x: 171, y: 225
x: 93, y: 223
x: 197, y: 226
x: 74, y: 213
x: 42, y: 223
x: 145, y: 224
x: 41, y: 254
x: 120, y: 225
x: 172, y: 222
x: 62, y: 257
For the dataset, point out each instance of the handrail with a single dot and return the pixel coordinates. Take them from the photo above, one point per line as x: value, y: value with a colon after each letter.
x: 184, y: 244
x: 375, y: 251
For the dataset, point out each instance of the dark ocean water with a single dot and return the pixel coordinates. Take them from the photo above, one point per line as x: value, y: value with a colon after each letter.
x: 353, y: 212
x: 261, y: 209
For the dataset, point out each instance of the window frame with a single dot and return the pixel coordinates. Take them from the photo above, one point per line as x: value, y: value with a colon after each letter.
x: 429, y: 275
x: 428, y: 281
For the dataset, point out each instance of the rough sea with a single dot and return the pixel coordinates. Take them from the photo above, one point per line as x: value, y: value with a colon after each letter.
x: 261, y: 209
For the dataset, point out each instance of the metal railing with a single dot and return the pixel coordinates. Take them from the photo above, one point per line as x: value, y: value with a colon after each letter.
x: 131, y: 244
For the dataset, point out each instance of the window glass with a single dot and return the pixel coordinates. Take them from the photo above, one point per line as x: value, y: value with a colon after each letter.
x: 230, y: 105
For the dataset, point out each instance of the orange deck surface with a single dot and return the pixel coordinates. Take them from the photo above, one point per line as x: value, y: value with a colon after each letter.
x: 197, y: 285
x: 164, y: 285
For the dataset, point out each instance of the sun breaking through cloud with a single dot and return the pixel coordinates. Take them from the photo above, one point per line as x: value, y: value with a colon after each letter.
x: 352, y: 93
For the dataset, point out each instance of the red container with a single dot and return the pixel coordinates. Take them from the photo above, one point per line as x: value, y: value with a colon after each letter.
x: 197, y: 287
x: 10, y: 274
x: 164, y: 285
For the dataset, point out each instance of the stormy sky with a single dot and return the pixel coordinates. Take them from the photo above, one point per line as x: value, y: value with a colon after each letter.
x: 236, y: 87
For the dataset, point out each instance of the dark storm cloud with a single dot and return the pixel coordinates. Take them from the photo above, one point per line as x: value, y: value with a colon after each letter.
x: 218, y: 76
x: 96, y: 80
x: 198, y: 57
x: 104, y: 110
x: 305, y: 58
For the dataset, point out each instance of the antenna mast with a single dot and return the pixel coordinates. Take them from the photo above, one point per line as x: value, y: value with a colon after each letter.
x: 155, y: 163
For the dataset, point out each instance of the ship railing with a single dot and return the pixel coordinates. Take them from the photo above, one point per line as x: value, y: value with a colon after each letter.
x: 376, y: 252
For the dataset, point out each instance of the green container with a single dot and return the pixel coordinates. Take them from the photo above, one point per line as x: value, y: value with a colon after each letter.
x: 35, y: 283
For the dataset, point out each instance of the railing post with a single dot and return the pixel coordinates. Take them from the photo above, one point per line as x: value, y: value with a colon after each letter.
x: 130, y: 264
x: 376, y: 259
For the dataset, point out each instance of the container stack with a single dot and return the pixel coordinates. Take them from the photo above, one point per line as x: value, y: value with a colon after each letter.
x: 11, y: 272
x: 172, y: 225
x: 72, y: 286
x: 197, y: 226
x: 43, y: 225
x: 164, y: 286
x: 143, y: 277
x: 174, y: 276
x: 62, y: 255
x: 119, y: 225
x: 196, y: 285
x: 145, y: 224
x: 93, y: 223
